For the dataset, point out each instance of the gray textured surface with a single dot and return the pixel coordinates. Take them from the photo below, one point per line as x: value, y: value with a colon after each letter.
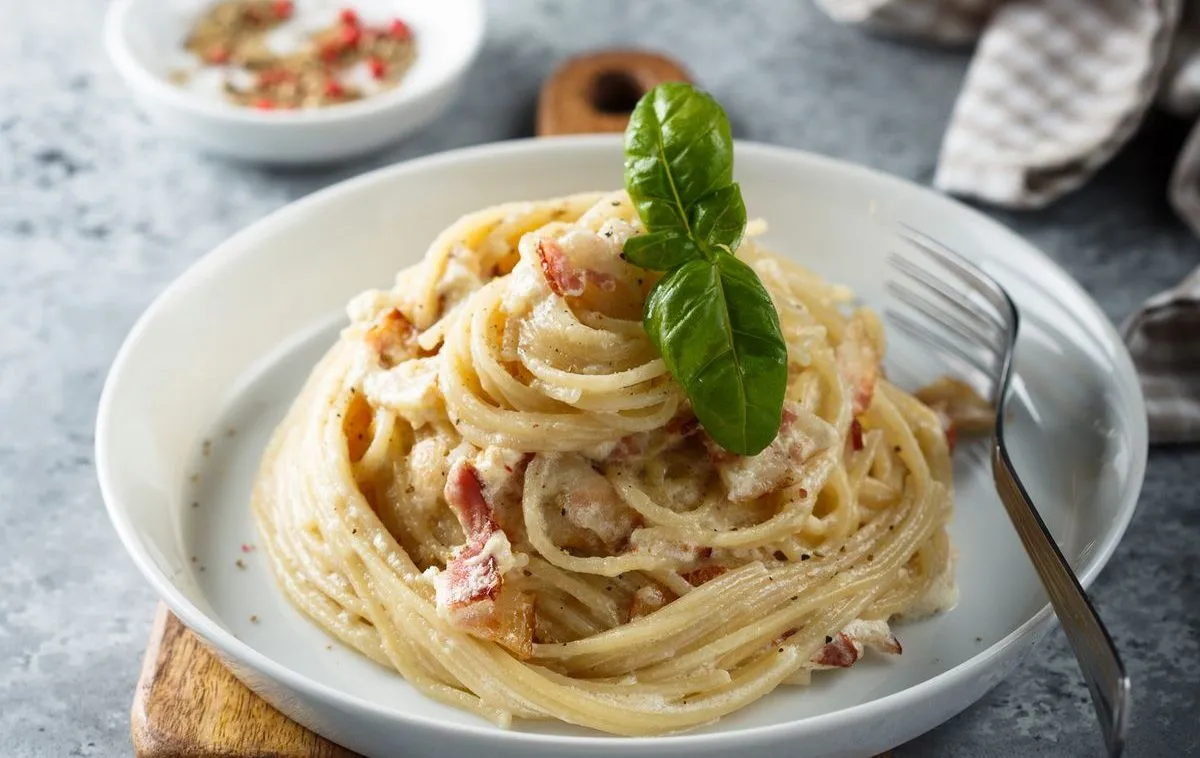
x: 98, y: 213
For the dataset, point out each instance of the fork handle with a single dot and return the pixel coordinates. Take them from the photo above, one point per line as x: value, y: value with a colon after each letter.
x: 1094, y: 649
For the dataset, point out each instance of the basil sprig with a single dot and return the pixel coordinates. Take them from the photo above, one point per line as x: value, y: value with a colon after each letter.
x: 710, y: 317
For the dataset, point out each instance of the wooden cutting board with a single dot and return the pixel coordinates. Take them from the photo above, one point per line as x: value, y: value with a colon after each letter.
x: 187, y: 704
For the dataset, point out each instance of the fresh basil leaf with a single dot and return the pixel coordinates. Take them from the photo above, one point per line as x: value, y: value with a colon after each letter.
x: 716, y: 328
x: 710, y: 317
x: 719, y: 218
x: 659, y: 251
x: 678, y: 149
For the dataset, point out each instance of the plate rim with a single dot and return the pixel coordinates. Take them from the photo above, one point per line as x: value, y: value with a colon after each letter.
x: 237, y: 244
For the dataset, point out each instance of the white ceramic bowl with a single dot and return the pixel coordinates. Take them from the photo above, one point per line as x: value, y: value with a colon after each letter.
x: 144, y: 39
x: 254, y: 315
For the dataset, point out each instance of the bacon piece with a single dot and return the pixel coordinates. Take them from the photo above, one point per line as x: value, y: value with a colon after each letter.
x: 858, y: 362
x: 560, y: 275
x: 392, y: 338
x: 840, y: 652
x: 564, y: 278
x: 464, y: 495
x: 699, y: 576
x: 470, y: 592
x: 511, y: 625
x: 501, y: 474
x: 471, y: 576
x: 847, y: 647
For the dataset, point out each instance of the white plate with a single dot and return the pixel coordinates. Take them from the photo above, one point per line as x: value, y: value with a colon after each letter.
x: 227, y: 346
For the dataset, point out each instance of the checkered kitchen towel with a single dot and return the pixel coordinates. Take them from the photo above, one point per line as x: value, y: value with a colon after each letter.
x: 1054, y: 90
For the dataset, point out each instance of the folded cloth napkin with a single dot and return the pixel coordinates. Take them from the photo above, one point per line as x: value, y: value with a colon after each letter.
x: 1164, y: 340
x: 1055, y: 88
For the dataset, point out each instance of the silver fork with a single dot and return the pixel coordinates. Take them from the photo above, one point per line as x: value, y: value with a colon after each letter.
x: 962, y: 311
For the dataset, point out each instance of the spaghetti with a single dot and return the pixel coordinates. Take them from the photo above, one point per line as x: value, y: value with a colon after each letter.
x: 492, y: 485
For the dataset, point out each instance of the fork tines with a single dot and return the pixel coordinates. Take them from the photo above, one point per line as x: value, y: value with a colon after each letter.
x: 957, y: 308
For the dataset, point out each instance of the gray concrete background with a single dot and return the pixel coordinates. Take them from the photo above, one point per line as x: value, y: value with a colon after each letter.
x: 98, y: 213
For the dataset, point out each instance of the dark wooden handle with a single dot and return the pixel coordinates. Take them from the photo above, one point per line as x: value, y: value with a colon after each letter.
x: 596, y: 92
